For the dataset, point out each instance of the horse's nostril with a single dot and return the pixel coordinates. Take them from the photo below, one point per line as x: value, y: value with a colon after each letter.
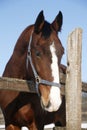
x: 48, y: 105
x: 45, y: 106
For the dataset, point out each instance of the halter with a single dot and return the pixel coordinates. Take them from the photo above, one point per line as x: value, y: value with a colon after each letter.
x: 38, y: 80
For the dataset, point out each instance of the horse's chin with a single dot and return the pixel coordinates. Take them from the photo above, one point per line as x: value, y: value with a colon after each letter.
x: 50, y: 108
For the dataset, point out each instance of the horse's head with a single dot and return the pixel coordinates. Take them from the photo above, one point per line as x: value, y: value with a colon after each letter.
x: 44, y: 55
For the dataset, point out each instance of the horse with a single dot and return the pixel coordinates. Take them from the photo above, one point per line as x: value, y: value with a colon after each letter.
x: 36, y: 56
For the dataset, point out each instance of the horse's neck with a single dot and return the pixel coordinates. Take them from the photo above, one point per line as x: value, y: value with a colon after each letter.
x: 15, y: 67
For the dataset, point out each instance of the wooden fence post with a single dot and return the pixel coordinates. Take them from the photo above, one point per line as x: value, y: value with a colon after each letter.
x: 73, y: 81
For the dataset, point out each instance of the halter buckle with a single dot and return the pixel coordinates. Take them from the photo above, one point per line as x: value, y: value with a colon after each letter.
x: 38, y: 79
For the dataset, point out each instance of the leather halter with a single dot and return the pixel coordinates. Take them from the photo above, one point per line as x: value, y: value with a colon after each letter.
x: 38, y: 79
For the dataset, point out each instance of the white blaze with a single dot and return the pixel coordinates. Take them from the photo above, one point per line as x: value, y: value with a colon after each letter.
x: 54, y: 65
x: 54, y: 97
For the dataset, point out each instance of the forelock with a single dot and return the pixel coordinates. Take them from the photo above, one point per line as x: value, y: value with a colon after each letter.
x: 46, y: 31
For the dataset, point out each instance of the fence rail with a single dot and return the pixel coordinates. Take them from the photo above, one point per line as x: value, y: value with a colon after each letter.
x: 28, y: 86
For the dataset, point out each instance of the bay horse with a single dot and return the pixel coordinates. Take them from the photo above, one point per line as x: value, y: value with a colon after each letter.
x: 36, y: 56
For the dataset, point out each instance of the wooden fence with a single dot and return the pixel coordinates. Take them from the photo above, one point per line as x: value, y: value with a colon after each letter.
x: 72, y: 79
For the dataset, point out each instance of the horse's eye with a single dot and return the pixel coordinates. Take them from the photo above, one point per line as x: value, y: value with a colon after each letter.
x: 38, y: 53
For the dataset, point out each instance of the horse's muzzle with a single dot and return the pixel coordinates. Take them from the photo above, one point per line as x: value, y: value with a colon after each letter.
x: 54, y: 100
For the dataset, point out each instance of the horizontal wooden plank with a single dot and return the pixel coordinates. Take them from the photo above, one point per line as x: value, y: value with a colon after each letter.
x: 64, y: 128
x: 55, y: 128
x: 16, y: 85
x: 84, y: 107
x: 29, y: 86
x: 61, y: 128
x: 84, y: 87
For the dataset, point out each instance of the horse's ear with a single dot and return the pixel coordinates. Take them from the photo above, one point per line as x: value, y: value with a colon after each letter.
x: 58, y: 21
x: 39, y: 22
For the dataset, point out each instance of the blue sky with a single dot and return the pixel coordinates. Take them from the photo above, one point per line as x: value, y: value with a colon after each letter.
x: 16, y: 15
